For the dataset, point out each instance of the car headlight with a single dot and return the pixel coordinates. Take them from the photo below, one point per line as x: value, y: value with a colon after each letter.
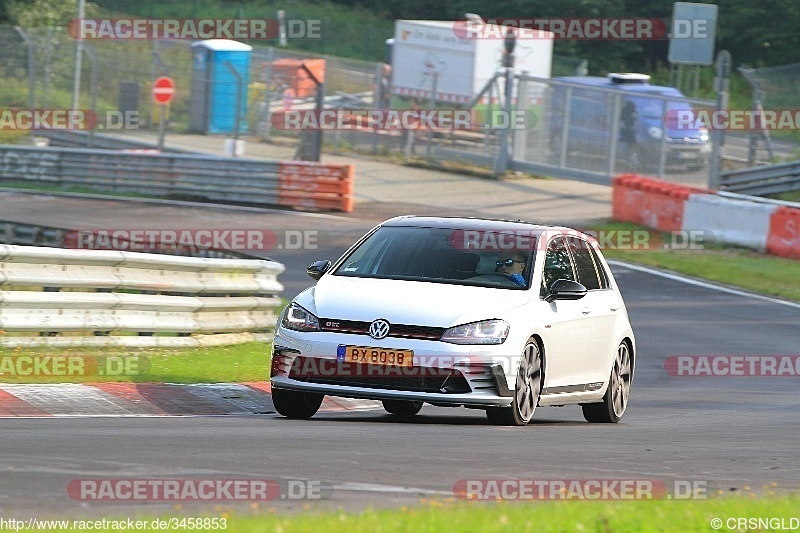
x: 484, y: 332
x: 703, y: 134
x: 298, y: 319
x: 654, y: 132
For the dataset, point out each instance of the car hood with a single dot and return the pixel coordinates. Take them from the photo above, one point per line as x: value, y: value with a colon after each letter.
x: 407, y: 302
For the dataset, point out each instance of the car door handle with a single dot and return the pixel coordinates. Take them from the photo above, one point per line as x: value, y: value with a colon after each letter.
x: 613, y: 307
x: 586, y: 310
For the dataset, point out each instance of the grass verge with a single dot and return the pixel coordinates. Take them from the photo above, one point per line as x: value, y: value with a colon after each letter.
x: 736, y: 267
x: 791, y: 196
x: 216, y: 364
x: 640, y: 516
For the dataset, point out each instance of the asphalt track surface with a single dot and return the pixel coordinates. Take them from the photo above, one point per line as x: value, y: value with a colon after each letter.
x: 730, y: 433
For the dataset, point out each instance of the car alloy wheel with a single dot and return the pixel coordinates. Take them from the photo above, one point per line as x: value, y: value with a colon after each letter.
x: 526, y: 393
x: 615, y: 400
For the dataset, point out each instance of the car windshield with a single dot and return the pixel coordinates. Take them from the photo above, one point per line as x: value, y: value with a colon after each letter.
x: 485, y: 258
x: 654, y: 107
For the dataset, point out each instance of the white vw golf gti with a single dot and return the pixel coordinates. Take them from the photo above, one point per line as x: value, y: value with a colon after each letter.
x: 487, y: 314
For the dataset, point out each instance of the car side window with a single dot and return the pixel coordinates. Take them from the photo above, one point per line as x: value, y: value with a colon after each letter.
x: 584, y: 264
x: 557, y: 265
x: 601, y: 271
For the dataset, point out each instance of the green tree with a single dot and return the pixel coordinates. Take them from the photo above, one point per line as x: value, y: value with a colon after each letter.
x: 35, y: 13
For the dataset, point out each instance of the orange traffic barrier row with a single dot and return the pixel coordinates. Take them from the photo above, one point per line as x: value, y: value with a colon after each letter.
x: 650, y: 202
x: 784, y: 233
x: 316, y: 185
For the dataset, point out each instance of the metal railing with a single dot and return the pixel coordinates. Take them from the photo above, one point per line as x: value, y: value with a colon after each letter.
x: 210, y: 177
x: 82, y: 139
x: 768, y: 179
x: 192, y: 175
x: 80, y: 297
x: 37, y: 235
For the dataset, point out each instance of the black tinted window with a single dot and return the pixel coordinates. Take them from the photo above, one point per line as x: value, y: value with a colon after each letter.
x: 584, y: 264
x: 557, y: 264
x: 601, y: 271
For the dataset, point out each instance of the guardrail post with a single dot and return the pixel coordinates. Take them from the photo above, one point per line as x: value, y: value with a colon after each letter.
x: 31, y: 67
x: 721, y: 84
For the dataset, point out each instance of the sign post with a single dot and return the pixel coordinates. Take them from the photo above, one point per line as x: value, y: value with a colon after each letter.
x: 163, y: 91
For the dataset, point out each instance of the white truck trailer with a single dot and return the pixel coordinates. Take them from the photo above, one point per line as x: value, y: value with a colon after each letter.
x: 427, y: 52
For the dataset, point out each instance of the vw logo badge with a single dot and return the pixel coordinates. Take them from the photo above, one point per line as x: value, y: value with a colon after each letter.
x: 378, y: 329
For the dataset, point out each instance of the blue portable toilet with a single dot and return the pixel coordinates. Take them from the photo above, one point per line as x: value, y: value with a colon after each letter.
x: 215, y: 88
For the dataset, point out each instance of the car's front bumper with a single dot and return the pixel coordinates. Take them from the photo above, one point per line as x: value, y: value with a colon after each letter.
x: 365, y: 393
x: 443, y: 373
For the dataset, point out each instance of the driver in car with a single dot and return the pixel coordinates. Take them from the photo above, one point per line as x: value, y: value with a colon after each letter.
x: 512, y: 264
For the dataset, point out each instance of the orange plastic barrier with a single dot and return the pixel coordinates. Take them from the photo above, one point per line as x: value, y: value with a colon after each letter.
x: 291, y: 73
x: 784, y: 233
x: 650, y: 202
x: 316, y: 185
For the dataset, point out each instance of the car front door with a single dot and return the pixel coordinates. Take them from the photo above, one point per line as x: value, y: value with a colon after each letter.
x: 567, y: 325
x: 600, y: 306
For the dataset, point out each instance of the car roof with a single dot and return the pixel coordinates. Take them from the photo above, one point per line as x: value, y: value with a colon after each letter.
x: 597, y: 81
x: 470, y: 223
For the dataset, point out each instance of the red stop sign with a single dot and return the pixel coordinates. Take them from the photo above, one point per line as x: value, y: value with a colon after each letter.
x: 163, y: 89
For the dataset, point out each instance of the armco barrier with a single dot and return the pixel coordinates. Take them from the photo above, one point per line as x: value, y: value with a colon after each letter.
x: 128, y: 299
x: 736, y: 222
x: 650, y: 202
x: 784, y: 233
x: 209, y: 177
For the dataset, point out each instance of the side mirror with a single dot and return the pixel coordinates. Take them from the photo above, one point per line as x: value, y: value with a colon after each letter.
x: 316, y: 269
x: 564, y: 289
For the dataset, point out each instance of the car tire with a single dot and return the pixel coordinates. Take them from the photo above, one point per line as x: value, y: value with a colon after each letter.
x: 615, y: 400
x: 294, y: 404
x: 402, y: 408
x: 527, y: 390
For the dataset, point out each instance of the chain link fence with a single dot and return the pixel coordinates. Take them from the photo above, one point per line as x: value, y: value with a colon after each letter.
x: 773, y: 88
x: 572, y: 131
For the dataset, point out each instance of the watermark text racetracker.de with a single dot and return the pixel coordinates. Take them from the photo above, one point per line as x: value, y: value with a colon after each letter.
x: 733, y: 365
x: 66, y: 119
x: 622, y: 239
x: 584, y: 29
x: 159, y: 240
x: 402, y: 120
x: 42, y: 365
x: 582, y: 489
x: 733, y: 119
x: 196, y: 490
x: 193, y: 28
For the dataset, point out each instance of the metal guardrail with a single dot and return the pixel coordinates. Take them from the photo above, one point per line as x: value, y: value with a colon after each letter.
x: 200, y: 176
x: 36, y: 235
x: 82, y: 139
x: 132, y: 299
x: 769, y: 179
x: 211, y: 177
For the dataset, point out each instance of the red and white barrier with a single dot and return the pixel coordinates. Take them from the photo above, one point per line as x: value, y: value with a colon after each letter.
x: 784, y: 233
x: 763, y: 226
x: 650, y: 202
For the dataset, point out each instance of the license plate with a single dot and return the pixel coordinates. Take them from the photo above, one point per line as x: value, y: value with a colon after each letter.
x: 369, y: 355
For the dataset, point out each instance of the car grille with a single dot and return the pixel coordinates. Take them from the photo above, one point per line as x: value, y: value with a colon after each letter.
x: 395, y: 330
x: 416, y: 379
